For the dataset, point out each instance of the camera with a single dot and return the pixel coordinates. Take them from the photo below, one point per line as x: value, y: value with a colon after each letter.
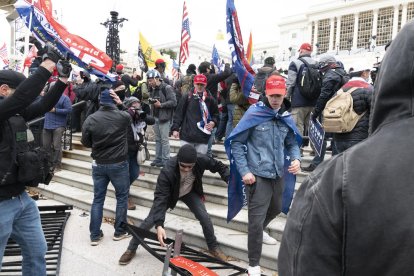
x: 153, y: 100
x: 140, y: 113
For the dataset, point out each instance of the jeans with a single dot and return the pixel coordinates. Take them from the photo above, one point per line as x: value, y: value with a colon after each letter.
x: 197, y: 207
x: 52, y: 142
x: 210, y: 142
x: 20, y: 220
x: 264, y: 204
x: 162, y: 143
x: 230, y: 112
x: 118, y: 174
x: 133, y: 166
x: 221, y: 128
x: 200, y: 148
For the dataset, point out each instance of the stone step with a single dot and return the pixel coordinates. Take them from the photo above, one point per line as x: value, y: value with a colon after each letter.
x: 144, y: 196
x: 232, y: 242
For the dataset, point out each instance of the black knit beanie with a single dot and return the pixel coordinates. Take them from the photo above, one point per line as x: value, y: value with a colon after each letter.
x: 187, y: 154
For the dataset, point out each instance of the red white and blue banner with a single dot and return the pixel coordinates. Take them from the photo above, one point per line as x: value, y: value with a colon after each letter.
x: 4, y: 59
x: 254, y: 116
x: 38, y: 18
x: 244, y: 72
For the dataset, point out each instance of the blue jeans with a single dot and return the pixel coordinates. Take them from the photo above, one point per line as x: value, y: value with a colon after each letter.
x: 118, y: 174
x: 197, y: 207
x: 229, y: 126
x: 20, y: 220
x: 162, y: 143
x: 210, y: 142
x: 221, y: 128
x: 133, y: 166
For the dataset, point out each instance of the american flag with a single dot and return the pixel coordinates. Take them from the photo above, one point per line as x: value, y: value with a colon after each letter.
x: 175, y: 70
x: 185, y: 36
x: 215, y: 58
x: 3, y: 55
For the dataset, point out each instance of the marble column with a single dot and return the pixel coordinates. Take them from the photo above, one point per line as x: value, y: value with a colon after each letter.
x: 315, y: 35
x: 355, y: 37
x: 404, y: 14
x: 375, y: 23
x: 338, y: 31
x: 395, y: 21
x: 331, y: 34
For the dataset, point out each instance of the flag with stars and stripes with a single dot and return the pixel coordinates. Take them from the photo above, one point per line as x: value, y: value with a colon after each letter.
x: 4, y: 60
x: 175, y: 70
x: 185, y: 36
x: 215, y: 58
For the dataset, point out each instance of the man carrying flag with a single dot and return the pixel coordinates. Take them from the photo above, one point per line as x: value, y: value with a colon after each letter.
x: 256, y: 152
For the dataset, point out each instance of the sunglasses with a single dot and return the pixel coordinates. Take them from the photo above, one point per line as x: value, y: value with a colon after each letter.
x: 186, y: 166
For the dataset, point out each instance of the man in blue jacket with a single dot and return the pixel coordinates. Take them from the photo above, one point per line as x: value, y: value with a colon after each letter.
x: 259, y: 156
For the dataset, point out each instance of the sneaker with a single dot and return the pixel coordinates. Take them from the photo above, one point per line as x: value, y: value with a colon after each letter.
x: 217, y: 253
x: 95, y: 242
x: 267, y: 239
x: 309, y: 168
x: 126, y: 257
x: 154, y: 163
x: 254, y: 271
x: 159, y: 165
x: 121, y: 236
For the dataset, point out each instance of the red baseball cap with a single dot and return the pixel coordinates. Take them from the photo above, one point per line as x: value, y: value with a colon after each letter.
x: 200, y: 79
x: 119, y: 67
x: 160, y: 60
x: 306, y: 46
x: 275, y: 85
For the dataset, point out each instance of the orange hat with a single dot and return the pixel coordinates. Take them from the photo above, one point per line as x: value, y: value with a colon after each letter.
x: 200, y: 79
x: 275, y: 85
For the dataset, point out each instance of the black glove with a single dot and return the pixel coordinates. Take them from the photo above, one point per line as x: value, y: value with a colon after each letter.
x: 64, y: 68
x: 52, y: 53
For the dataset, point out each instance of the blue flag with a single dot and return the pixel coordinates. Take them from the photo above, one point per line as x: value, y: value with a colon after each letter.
x: 215, y: 58
x: 244, y: 72
x: 255, y: 115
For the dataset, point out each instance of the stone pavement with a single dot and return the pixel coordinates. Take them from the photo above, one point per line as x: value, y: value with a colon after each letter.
x: 80, y: 258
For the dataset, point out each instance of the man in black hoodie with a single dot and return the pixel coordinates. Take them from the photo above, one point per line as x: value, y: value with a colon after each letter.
x: 353, y: 215
x: 181, y: 179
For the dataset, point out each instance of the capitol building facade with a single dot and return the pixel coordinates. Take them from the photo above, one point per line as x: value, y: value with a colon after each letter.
x: 345, y: 27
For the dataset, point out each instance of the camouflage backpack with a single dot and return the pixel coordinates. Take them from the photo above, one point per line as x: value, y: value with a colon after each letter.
x: 187, y: 83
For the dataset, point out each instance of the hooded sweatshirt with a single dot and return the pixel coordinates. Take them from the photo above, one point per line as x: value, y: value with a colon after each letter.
x: 354, y: 214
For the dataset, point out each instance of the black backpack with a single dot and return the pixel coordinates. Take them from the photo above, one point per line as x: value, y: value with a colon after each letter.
x: 309, y: 81
x: 260, y: 80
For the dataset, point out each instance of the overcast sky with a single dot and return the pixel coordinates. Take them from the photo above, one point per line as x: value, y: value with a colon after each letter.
x: 160, y: 20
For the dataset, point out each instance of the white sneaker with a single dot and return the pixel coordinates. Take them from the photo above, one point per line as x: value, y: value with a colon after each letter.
x: 267, y: 239
x: 254, y: 271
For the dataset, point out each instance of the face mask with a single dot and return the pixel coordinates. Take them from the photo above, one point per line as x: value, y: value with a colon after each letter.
x: 121, y: 94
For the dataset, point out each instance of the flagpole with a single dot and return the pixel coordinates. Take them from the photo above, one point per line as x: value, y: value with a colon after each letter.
x: 181, y: 40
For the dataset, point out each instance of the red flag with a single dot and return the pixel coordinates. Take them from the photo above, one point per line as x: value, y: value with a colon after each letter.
x: 185, y: 36
x: 249, y: 54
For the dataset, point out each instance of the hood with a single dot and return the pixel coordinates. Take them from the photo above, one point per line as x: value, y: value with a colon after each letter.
x: 266, y: 69
x: 394, y: 87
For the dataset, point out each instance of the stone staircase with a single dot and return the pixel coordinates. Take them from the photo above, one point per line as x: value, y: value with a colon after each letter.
x: 74, y: 185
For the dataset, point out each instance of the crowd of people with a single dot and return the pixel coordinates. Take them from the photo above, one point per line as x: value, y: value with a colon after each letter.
x: 336, y: 209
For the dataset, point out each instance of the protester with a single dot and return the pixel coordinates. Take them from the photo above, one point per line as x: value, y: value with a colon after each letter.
x: 19, y: 218
x: 181, y: 179
x: 302, y: 106
x: 334, y: 77
x: 237, y: 98
x: 163, y: 101
x: 264, y: 73
x: 352, y: 216
x: 126, y: 79
x: 140, y: 116
x: 160, y: 66
x: 105, y: 132
x: 53, y: 129
x: 258, y: 151
x: 196, y: 116
x: 361, y: 96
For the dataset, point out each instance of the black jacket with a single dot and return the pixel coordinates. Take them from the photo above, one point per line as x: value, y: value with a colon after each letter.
x: 188, y: 114
x: 128, y: 80
x: 353, y: 215
x: 214, y: 79
x: 105, y: 132
x: 168, y: 184
x: 89, y: 91
x: 22, y: 102
x: 332, y: 81
x: 362, y: 103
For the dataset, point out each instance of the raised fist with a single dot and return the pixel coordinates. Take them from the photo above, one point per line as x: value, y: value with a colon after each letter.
x: 64, y: 68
